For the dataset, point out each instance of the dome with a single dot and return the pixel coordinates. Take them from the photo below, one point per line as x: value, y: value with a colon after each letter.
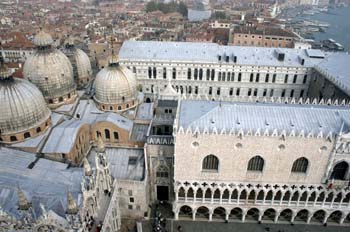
x: 115, y: 87
x: 80, y: 62
x: 43, y: 39
x: 23, y: 111
x: 51, y: 71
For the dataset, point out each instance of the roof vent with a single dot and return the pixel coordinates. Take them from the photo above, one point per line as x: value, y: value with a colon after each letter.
x: 280, y: 55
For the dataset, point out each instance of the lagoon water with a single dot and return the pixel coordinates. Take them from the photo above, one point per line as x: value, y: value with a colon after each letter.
x: 339, y: 30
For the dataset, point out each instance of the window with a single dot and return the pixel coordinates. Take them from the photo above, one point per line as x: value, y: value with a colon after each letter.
x: 292, y: 93
x: 132, y: 200
x: 210, y: 90
x: 116, y: 135
x: 195, y: 73
x: 189, y: 74
x: 162, y: 172
x: 249, y: 92
x: 256, y: 164
x: 231, y: 91
x: 255, y: 93
x: 300, y: 165
x: 218, y: 91
x: 301, y: 93
x: 257, y: 77
x: 13, y: 138
x: 132, y: 160
x: 283, y: 94
x: 239, y: 77
x: 164, y: 73
x: 267, y: 78
x: 295, y: 79
x: 264, y: 92
x: 208, y: 74
x: 251, y: 77
x: 149, y: 72
x: 271, y: 93
x: 38, y: 130
x: 274, y: 78
x: 154, y: 73
x: 238, y: 91
x: 174, y: 73
x: 130, y: 207
x: 107, y: 134
x: 26, y: 135
x: 305, y: 79
x: 210, y: 162
x: 286, y: 79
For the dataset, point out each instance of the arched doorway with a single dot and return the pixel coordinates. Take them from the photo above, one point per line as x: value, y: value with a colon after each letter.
x: 302, y: 216
x: 340, y: 170
x: 148, y: 100
x: 252, y: 215
x: 185, y: 212
x: 334, y: 217
x: 236, y: 214
x: 269, y: 215
x: 318, y: 216
x: 286, y: 215
x: 202, y: 213
x: 219, y: 214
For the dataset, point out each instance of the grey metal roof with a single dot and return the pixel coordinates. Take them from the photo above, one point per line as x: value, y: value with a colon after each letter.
x: 139, y: 132
x: 120, y: 168
x: 63, y: 136
x: 145, y: 111
x: 209, y: 52
x: 37, y: 142
x: 46, y: 183
x: 255, y: 116
x: 336, y: 68
x: 88, y: 113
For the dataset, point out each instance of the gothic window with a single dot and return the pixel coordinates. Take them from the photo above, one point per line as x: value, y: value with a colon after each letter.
x: 300, y: 165
x: 251, y: 77
x: 162, y: 172
x: 305, y: 78
x: 149, y: 72
x: 208, y: 74
x: 210, y: 162
x: 267, y: 78
x: 339, y: 171
x: 256, y: 164
x: 286, y: 78
x: 274, y: 78
x: 200, y: 74
x: 195, y: 73
x: 174, y: 73
x: 212, y: 74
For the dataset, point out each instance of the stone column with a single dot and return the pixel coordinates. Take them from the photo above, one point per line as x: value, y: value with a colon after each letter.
x: 210, y: 215
x: 194, y: 195
x: 176, y: 215
x: 176, y: 195
x: 226, y: 216
x: 243, y: 216
x: 186, y: 190
x: 342, y: 219
x: 315, y: 201
x: 309, y: 219
x: 276, y: 217
x: 194, y: 215
x: 229, y: 198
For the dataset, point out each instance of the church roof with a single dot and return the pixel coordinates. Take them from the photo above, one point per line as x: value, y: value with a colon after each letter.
x: 51, y: 191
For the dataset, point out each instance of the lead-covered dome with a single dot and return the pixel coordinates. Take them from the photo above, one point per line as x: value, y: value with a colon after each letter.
x: 51, y: 71
x: 115, y: 87
x: 80, y: 61
x: 23, y: 111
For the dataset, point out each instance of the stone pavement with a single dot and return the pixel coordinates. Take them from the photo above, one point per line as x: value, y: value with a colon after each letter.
x: 204, y: 226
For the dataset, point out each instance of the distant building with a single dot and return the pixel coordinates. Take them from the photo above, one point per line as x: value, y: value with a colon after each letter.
x: 262, y: 37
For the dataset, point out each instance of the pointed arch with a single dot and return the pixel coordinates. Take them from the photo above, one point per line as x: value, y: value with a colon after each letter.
x: 256, y: 164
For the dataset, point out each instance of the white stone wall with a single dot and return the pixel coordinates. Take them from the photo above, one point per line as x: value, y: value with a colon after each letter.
x: 156, y: 83
x: 138, y: 190
x: 233, y: 161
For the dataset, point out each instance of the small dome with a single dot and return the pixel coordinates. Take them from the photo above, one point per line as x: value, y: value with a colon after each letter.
x: 22, y: 109
x: 43, y: 39
x: 115, y: 85
x: 51, y: 71
x: 80, y: 61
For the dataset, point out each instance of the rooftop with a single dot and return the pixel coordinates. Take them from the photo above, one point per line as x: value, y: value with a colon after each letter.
x: 183, y: 52
x: 125, y: 163
x: 50, y: 191
x: 210, y: 115
x: 336, y: 68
